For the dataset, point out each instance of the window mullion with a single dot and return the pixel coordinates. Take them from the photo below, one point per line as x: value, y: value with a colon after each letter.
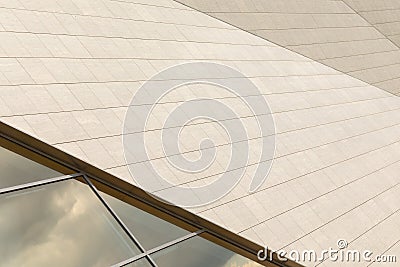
x: 39, y: 183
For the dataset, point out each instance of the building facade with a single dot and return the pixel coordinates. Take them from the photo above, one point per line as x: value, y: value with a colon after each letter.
x: 70, y: 68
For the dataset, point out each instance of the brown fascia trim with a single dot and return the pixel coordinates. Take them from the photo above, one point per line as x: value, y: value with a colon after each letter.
x: 69, y: 164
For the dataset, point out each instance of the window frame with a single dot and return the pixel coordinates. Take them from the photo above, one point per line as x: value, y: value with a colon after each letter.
x: 99, y: 180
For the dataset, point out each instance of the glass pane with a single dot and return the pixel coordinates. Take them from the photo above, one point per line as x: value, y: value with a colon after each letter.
x: 199, y: 252
x: 16, y: 169
x: 140, y: 263
x: 150, y: 230
x: 61, y: 224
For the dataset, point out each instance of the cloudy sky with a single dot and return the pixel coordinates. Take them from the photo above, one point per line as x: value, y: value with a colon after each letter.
x: 61, y: 224
x: 64, y: 224
x: 16, y: 169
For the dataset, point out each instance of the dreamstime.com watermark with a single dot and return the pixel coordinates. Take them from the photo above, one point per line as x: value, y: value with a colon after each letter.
x: 147, y: 174
x: 340, y: 253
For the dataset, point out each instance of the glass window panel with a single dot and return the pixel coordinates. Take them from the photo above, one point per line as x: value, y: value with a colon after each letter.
x: 16, y: 170
x: 139, y: 263
x: 150, y: 230
x: 199, y: 252
x: 61, y: 224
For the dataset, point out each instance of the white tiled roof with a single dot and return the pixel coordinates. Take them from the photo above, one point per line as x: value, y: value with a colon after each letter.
x: 68, y: 70
x: 359, y: 38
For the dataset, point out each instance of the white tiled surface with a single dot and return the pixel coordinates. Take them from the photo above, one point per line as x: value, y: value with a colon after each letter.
x: 359, y: 38
x: 69, y: 69
x: 384, y: 15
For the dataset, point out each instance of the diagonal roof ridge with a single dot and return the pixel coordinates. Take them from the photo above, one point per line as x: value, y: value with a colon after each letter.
x: 289, y: 49
x: 372, y: 25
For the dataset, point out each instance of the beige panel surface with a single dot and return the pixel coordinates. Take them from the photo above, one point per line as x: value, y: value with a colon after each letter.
x: 383, y: 15
x: 68, y: 71
x: 359, y: 38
